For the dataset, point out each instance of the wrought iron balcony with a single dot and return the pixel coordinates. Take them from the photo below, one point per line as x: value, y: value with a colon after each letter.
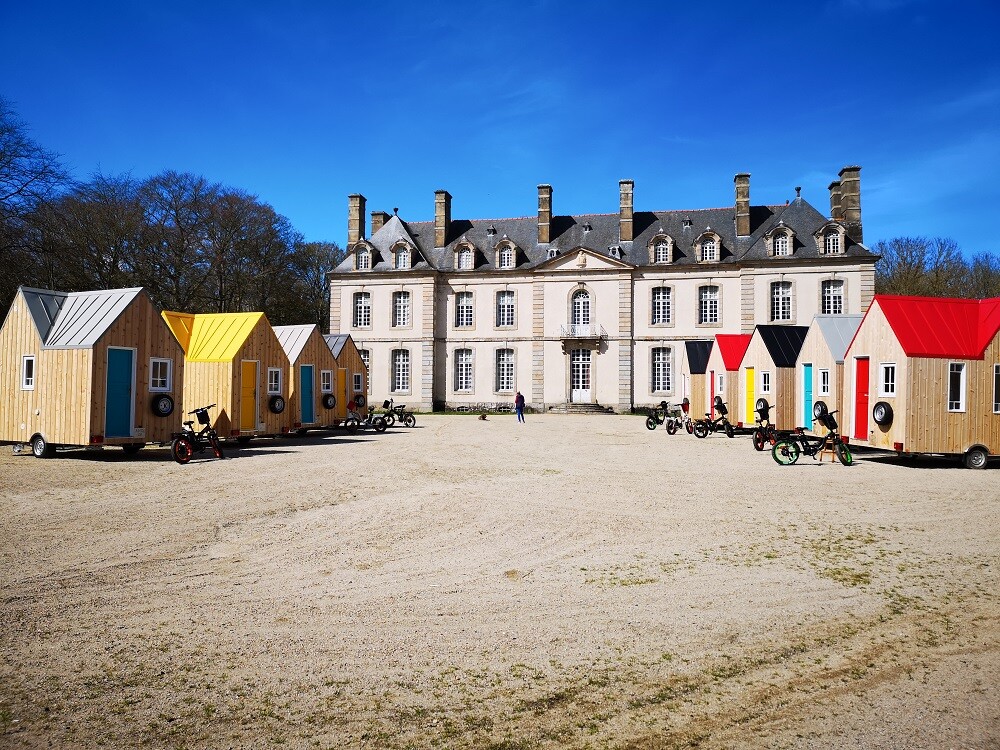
x: 582, y: 331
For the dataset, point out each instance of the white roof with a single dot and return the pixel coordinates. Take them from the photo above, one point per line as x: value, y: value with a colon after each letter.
x: 293, y: 338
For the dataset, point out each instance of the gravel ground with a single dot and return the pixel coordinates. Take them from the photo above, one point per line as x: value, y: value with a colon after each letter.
x: 571, y: 582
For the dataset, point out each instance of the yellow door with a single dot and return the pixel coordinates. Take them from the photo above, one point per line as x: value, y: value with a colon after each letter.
x: 248, y: 396
x: 751, y: 398
x: 342, y: 392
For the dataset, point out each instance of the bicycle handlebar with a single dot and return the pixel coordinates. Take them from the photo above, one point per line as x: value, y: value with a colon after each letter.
x: 201, y: 408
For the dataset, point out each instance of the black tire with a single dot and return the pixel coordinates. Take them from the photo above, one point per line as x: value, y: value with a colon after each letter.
x: 162, y: 405
x: 181, y: 450
x: 762, y: 405
x: 379, y: 424
x: 132, y: 449
x: 301, y: 432
x: 820, y: 410
x: 730, y: 432
x: 650, y: 423
x: 700, y: 429
x: 843, y: 454
x: 758, y: 440
x: 671, y: 427
x: 390, y: 419
x: 42, y: 448
x: 882, y: 414
x: 785, y: 452
x: 409, y: 420
x: 244, y: 439
x: 359, y: 400
x: 329, y: 401
x: 276, y: 404
x: 351, y: 424
x: 976, y: 458
x: 689, y: 426
x: 216, y: 446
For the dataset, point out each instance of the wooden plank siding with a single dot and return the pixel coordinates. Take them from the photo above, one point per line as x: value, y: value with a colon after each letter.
x: 816, y: 351
x: 350, y: 360
x: 782, y: 392
x: 731, y: 387
x: 318, y: 354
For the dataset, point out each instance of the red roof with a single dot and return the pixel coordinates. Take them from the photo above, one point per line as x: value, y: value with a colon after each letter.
x: 732, y: 346
x: 941, y: 326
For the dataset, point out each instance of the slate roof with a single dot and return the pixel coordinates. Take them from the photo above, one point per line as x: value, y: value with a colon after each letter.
x: 783, y: 342
x: 941, y: 327
x: 697, y: 355
x: 75, y: 320
x: 732, y: 346
x: 838, y: 332
x: 336, y: 342
x: 293, y: 339
x: 571, y: 232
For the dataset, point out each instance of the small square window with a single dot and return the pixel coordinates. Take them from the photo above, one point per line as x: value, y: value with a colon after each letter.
x: 27, y: 373
x: 326, y: 381
x: 765, y: 382
x: 160, y: 371
x: 273, y: 380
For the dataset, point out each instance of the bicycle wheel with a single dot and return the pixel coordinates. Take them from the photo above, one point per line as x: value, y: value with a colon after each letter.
x: 758, y: 440
x: 700, y: 429
x: 351, y: 424
x: 650, y: 423
x: 409, y: 420
x: 390, y: 419
x: 213, y: 440
x: 379, y: 424
x: 843, y: 454
x: 730, y: 432
x: 671, y: 426
x: 181, y: 450
x: 786, y: 452
x: 689, y: 426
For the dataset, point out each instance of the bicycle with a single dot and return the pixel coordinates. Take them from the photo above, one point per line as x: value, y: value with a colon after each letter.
x: 764, y: 431
x: 673, y: 417
x: 721, y: 423
x: 787, y: 450
x: 355, y: 421
x: 397, y: 412
x: 187, y: 442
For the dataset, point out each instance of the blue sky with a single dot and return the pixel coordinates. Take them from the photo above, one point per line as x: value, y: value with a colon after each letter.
x: 303, y: 103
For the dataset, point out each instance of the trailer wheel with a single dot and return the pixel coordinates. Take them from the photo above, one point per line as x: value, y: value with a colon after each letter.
x: 882, y: 414
x: 42, y: 448
x: 359, y: 400
x: 329, y: 401
x: 762, y: 405
x: 276, y: 404
x: 820, y: 410
x: 162, y: 405
x: 244, y: 439
x: 976, y: 458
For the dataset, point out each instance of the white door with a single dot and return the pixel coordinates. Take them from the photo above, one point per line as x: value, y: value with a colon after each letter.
x: 579, y: 376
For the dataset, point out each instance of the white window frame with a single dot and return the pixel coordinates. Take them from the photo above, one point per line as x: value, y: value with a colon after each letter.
x: 28, y: 381
x: 359, y: 382
x: 830, y: 303
x: 661, y: 371
x: 468, y: 319
x: 831, y: 243
x: 168, y: 380
x: 464, y: 371
x: 996, y: 389
x: 720, y: 380
x: 956, y: 405
x: 506, y: 317
x: 401, y: 259
x: 661, y: 312
x: 362, y: 310
x: 401, y: 309
x: 661, y: 252
x: 887, y: 378
x: 326, y: 381
x: 466, y: 258
x: 824, y: 383
x: 765, y: 381
x: 710, y: 250
x: 708, y: 305
x: 363, y: 260
x: 782, y: 246
x: 273, y: 381
x: 782, y: 307
x: 504, y: 371
x: 400, y: 373
x: 366, y: 357
x: 505, y: 258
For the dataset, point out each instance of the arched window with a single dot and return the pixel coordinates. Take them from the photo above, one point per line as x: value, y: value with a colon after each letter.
x: 832, y: 243
x: 781, y: 300
x: 580, y: 315
x: 364, y: 259
x: 401, y: 258
x: 781, y: 244
x: 709, y: 249
x: 662, y: 252
x: 506, y: 257
x: 465, y: 257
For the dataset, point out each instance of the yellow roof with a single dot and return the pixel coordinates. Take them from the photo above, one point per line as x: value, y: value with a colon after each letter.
x: 211, y: 337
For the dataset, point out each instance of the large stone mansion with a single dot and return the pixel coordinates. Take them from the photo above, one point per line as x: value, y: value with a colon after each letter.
x: 591, y: 308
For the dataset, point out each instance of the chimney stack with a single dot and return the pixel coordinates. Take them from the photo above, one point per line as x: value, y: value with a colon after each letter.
x: 442, y: 217
x: 742, y: 181
x: 836, y: 212
x: 625, y: 210
x: 544, y: 214
x: 379, y: 218
x: 355, y: 218
x: 850, y: 202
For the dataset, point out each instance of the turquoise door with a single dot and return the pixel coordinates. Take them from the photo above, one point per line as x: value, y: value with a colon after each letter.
x: 118, y: 402
x: 807, y: 395
x: 306, y: 396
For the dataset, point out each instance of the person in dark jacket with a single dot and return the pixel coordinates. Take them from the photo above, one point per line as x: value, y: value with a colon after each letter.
x: 519, y: 406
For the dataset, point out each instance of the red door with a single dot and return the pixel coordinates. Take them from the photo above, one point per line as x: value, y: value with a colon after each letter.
x: 861, y: 399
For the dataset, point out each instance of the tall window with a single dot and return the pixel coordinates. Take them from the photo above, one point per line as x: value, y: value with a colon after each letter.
x: 832, y: 243
x: 400, y: 370
x: 506, y: 256
x: 765, y: 382
x: 661, y: 305
x: 833, y: 297
x: 781, y: 300
x: 708, y: 305
x: 824, y: 382
x: 996, y: 389
x: 662, y: 252
x: 709, y: 250
x: 364, y: 259
x: 661, y: 371
x: 159, y: 374
x: 465, y: 259
x: 27, y: 373
x: 505, y: 308
x: 359, y: 382
x: 463, y: 309
x: 781, y: 244
x: 326, y: 381
x: 366, y: 357
x: 401, y: 308
x: 581, y: 308
x: 362, y: 309
x: 887, y: 380
x: 505, y: 370
x: 463, y: 369
x: 956, y: 386
x: 401, y: 258
x: 273, y: 380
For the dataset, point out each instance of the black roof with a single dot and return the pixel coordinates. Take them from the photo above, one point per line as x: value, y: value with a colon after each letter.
x: 697, y: 353
x: 783, y: 343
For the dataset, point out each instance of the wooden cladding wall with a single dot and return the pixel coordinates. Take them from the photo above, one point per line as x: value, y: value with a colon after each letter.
x: 317, y: 353
x: 816, y: 351
x: 350, y: 360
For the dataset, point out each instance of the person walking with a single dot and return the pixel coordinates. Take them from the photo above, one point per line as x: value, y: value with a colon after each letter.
x: 519, y: 406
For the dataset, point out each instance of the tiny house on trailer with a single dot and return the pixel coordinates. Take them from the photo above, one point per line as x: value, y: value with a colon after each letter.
x: 352, y: 373
x: 821, y: 364
x: 697, y: 389
x: 235, y: 361
x: 87, y: 368
x: 922, y: 375
x: 768, y: 372
x: 311, y: 401
x: 723, y: 373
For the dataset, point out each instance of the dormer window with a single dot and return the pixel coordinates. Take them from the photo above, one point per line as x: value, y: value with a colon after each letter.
x: 831, y: 239
x: 708, y: 247
x: 505, y: 257
x: 466, y: 258
x: 401, y: 257
x: 661, y: 249
x: 831, y: 243
x: 662, y: 254
x: 363, y: 259
x: 552, y: 253
x: 781, y: 246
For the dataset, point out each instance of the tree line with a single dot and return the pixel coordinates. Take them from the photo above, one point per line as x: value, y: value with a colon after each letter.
x: 934, y: 268
x: 195, y: 245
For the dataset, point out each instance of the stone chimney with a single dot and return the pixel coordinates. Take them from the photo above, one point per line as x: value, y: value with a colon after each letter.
x: 625, y: 211
x: 379, y: 218
x: 355, y: 218
x: 836, y: 212
x: 544, y: 214
x: 850, y: 202
x: 442, y: 217
x: 742, y: 181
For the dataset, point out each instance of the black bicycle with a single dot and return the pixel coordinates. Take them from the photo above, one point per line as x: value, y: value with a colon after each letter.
x: 673, y: 416
x: 763, y: 431
x: 188, y: 442
x: 787, y: 450
x: 702, y: 427
x: 394, y: 412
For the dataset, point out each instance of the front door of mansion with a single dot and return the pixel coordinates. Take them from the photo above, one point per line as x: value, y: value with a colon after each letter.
x: 579, y: 376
